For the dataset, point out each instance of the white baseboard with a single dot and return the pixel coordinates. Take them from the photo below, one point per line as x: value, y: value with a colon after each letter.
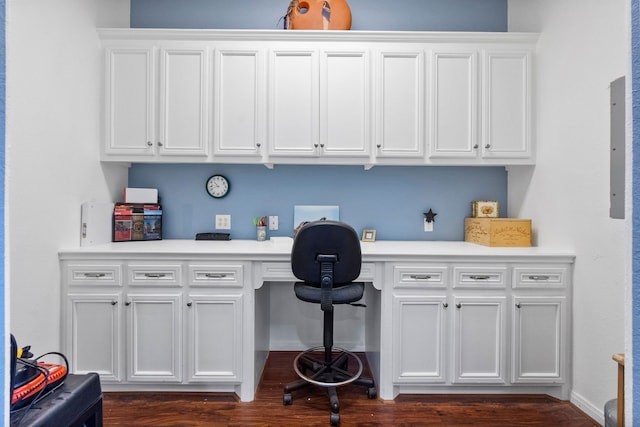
x: 587, y: 407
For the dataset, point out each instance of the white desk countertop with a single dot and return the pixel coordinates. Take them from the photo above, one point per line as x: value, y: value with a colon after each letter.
x: 281, y: 249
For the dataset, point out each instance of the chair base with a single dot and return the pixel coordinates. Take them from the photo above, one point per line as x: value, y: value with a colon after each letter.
x: 313, y: 368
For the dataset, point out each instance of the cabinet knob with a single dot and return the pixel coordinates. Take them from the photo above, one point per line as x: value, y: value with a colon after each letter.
x: 321, y: 145
x: 315, y: 145
x: 445, y: 305
x: 518, y: 305
x: 458, y: 305
x: 487, y: 146
x: 258, y: 145
x: 379, y: 145
x: 159, y: 144
x: 149, y: 143
x: 475, y: 147
x: 189, y: 304
x: 114, y: 302
x: 128, y: 303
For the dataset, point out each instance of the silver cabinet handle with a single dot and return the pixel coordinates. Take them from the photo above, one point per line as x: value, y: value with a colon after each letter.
x: 215, y: 275
x: 154, y: 275
x: 480, y: 277
x: 420, y: 276
x: 540, y: 277
x: 94, y: 275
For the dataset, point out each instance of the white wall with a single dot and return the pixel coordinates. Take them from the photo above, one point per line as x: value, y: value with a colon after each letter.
x: 54, y: 67
x: 582, y: 48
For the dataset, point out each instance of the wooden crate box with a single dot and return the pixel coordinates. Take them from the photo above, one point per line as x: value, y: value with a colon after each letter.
x: 498, y: 231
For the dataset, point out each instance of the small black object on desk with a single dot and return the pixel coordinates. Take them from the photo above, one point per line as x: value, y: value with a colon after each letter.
x: 213, y: 236
x: 78, y: 402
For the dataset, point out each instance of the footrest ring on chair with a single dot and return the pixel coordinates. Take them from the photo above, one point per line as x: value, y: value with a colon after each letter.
x: 320, y: 352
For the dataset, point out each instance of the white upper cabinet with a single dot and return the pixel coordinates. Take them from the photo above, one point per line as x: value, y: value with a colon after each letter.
x: 183, y: 106
x: 239, y: 87
x: 454, y: 104
x: 506, y: 123
x: 155, y: 103
x: 481, y: 105
x: 294, y: 91
x: 360, y: 98
x: 319, y: 103
x: 130, y: 101
x: 400, y: 95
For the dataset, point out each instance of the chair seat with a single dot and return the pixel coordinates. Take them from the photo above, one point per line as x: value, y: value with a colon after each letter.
x: 345, y: 294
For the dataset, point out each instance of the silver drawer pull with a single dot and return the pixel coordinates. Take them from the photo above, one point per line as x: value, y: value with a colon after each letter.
x: 94, y: 275
x: 541, y: 277
x: 420, y: 276
x: 154, y: 275
x: 215, y: 275
x: 480, y: 277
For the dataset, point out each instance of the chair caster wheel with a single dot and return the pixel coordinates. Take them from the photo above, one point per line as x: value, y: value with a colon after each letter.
x: 372, y: 393
x: 286, y: 399
x: 335, y: 419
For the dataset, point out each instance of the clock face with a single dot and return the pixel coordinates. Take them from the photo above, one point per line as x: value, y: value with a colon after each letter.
x: 218, y: 186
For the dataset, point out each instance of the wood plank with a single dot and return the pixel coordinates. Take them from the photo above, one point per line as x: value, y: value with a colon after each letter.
x: 311, y: 408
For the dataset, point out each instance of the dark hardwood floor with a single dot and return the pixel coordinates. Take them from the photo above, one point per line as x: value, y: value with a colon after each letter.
x: 311, y: 408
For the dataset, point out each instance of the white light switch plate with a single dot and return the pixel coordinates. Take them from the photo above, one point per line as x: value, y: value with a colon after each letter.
x: 273, y: 222
x: 223, y: 222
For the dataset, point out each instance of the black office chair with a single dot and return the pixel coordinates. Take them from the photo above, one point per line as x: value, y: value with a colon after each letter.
x: 326, y: 256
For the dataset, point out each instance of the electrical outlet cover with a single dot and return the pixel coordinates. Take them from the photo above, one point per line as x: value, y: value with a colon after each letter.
x: 223, y: 222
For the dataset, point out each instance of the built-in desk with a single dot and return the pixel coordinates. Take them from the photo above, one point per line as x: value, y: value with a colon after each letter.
x: 441, y: 317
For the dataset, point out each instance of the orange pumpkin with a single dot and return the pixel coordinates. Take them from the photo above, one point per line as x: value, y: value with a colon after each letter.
x: 318, y: 15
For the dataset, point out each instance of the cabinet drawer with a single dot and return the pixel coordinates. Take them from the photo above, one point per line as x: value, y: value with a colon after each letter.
x: 419, y: 276
x: 539, y: 277
x: 281, y: 271
x: 216, y: 275
x: 478, y: 277
x: 154, y: 274
x: 94, y: 274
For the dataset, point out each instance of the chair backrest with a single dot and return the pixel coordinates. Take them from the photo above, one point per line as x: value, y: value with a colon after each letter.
x: 326, y: 237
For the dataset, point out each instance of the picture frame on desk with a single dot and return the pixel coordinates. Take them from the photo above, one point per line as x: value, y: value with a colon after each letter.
x: 368, y: 235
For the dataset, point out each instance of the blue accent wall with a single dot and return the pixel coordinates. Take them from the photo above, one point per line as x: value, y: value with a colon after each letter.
x: 389, y: 199
x: 407, y: 15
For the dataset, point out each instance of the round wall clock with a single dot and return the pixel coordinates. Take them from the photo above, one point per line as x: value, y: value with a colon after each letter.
x: 218, y: 186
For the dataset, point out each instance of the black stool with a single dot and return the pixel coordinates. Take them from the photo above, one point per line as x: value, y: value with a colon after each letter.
x: 326, y: 256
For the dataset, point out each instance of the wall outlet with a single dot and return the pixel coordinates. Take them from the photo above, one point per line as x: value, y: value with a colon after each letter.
x: 273, y: 222
x: 428, y: 226
x: 223, y: 222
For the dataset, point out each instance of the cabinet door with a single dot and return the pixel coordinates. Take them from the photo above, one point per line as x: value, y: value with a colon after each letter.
x: 130, y: 99
x: 507, y: 105
x: 538, y: 339
x: 238, y: 128
x: 93, y: 334
x: 345, y: 112
x: 214, y: 350
x: 154, y: 337
x: 419, y: 339
x: 400, y: 101
x: 183, y: 102
x: 454, y: 108
x: 479, y: 331
x: 294, y: 103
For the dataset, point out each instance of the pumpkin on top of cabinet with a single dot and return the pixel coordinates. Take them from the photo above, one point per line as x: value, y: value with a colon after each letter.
x: 318, y: 15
